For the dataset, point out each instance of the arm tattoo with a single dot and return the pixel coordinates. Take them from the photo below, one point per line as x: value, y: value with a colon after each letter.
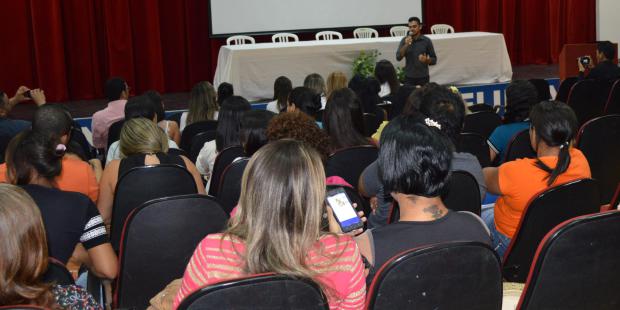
x: 434, y: 211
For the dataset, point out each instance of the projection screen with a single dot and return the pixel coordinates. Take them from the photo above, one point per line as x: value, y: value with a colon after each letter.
x: 229, y: 17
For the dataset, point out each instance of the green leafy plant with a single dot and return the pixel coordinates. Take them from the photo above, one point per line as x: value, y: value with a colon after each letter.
x: 364, y: 64
x: 400, y: 74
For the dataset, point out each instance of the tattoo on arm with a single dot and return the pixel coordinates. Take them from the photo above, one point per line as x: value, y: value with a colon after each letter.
x: 434, y: 210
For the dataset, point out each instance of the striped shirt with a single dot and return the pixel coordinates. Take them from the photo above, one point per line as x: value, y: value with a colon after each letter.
x: 337, y: 261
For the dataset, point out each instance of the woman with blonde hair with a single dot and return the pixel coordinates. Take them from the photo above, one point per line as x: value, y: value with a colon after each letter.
x: 316, y: 82
x: 202, y: 105
x: 24, y: 258
x: 336, y: 80
x: 142, y: 143
x: 277, y: 228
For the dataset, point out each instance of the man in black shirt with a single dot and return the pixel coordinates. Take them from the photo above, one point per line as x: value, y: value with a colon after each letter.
x: 419, y: 53
x: 605, y: 69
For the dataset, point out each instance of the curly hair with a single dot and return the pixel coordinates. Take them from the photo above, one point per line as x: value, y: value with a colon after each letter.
x: 299, y: 126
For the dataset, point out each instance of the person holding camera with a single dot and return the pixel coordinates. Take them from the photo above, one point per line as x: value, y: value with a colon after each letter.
x: 10, y: 127
x: 419, y: 53
x: 605, y: 68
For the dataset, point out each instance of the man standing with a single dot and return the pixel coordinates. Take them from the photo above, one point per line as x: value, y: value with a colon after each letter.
x: 605, y: 69
x: 419, y: 53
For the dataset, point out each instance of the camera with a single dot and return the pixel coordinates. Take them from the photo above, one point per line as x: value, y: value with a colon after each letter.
x: 585, y: 60
x: 27, y: 94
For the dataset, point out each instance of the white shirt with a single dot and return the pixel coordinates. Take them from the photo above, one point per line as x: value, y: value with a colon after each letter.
x: 273, y: 107
x: 205, y: 161
x: 114, y: 151
x: 385, y: 90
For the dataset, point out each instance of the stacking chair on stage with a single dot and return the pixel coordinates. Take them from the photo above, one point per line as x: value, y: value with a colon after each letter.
x: 613, y: 101
x: 240, y: 40
x: 546, y: 210
x: 599, y: 140
x: 57, y: 273
x: 328, y: 35
x: 399, y: 31
x: 482, y: 123
x: 476, y: 145
x: 158, y: 240
x: 565, y: 88
x: 284, y: 37
x: 230, y: 184
x: 576, y: 266
x: 454, y: 275
x: 198, y: 141
x: 588, y: 99
x: 222, y: 160
x: 258, y: 292
x: 365, y: 33
x: 462, y: 193
x: 542, y: 88
x: 349, y: 163
x: 441, y: 29
x: 519, y: 147
x: 193, y: 129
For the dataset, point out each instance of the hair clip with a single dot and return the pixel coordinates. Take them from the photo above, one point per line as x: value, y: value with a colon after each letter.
x: 563, y: 145
x: 61, y: 148
x: 431, y: 123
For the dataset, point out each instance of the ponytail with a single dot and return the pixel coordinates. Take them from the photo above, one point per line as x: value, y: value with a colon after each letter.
x: 560, y: 167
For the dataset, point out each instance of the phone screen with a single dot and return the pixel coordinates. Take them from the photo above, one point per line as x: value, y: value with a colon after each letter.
x: 343, y: 210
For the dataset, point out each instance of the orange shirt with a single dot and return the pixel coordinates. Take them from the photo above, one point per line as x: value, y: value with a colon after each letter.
x: 520, y: 180
x: 76, y: 176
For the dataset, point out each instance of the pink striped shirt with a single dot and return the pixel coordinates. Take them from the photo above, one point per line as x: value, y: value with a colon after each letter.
x: 337, y: 261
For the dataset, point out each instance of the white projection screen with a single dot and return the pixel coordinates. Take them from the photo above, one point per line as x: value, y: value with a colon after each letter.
x: 229, y: 17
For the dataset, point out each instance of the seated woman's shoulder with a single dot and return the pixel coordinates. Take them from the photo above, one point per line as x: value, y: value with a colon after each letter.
x: 74, y: 297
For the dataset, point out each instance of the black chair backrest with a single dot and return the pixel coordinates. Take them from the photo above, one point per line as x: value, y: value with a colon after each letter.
x: 544, y: 211
x: 576, y: 266
x: 370, y: 124
x: 588, y: 98
x: 454, y: 275
x: 613, y: 101
x: 57, y: 273
x: 114, y: 132
x: 480, y: 107
x: 349, y: 163
x: 519, y: 147
x: 565, y: 88
x: 462, y: 193
x: 542, y: 88
x: 193, y: 129
x: 476, y: 145
x: 482, y: 123
x: 599, y: 140
x: 362, y: 203
x: 230, y: 184
x: 158, y: 240
x: 199, y: 141
x: 615, y: 201
x: 258, y: 292
x: 141, y: 184
x: 222, y: 160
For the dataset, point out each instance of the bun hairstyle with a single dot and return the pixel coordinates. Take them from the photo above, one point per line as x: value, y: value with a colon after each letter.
x: 555, y: 123
x: 32, y: 152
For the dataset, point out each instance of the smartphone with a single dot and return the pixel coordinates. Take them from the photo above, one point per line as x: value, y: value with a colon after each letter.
x: 27, y: 94
x: 344, y: 212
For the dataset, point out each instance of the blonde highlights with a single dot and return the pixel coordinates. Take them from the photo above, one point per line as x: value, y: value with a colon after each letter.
x: 335, y: 81
x: 142, y: 136
x: 202, y: 103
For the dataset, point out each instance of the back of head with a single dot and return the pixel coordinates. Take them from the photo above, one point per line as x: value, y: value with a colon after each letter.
x: 224, y: 91
x: 336, y: 80
x: 343, y: 119
x: 52, y: 120
x: 281, y: 89
x: 315, y: 82
x: 139, y: 106
x: 306, y: 100
x: 399, y: 104
x: 607, y: 49
x: 385, y: 73
x: 142, y: 136
x: 229, y: 122
x: 23, y: 250
x: 281, y: 206
x: 414, y: 158
x: 445, y: 107
x: 301, y: 127
x: 521, y: 95
x: 202, y: 103
x: 29, y: 154
x: 158, y: 103
x: 114, y: 88
x: 253, y: 132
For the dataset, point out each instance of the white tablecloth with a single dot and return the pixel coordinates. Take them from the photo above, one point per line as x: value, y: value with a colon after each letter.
x: 462, y: 58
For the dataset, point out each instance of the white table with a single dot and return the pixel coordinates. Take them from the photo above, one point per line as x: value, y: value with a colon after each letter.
x: 462, y: 58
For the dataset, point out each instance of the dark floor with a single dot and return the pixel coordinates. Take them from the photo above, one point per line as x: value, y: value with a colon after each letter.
x: 178, y: 101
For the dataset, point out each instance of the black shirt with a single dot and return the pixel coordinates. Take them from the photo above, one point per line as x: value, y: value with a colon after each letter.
x: 69, y: 218
x: 414, y: 68
x: 605, y: 70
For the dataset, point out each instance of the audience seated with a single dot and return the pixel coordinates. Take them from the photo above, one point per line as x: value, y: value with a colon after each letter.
x: 553, y: 128
x: 142, y: 143
x: 203, y: 105
x: 316, y: 82
x: 169, y: 127
x: 117, y: 93
x: 24, y: 258
x: 343, y: 120
x: 281, y: 89
x: 10, y: 127
x: 414, y: 164
x: 386, y: 75
x: 224, y: 91
x: 278, y: 229
x: 301, y: 127
x: 227, y: 135
x: 253, y: 132
x: 335, y: 81
x: 521, y: 95
x: 605, y: 68
x: 33, y: 162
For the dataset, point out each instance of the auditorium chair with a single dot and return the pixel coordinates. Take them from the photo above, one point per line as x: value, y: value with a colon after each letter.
x: 519, y: 147
x: 482, y: 123
x: 613, y: 101
x: 565, y: 88
x: 370, y: 124
x: 542, y: 88
x: 576, y: 266
x: 349, y: 163
x: 328, y: 35
x: 599, y: 140
x: 192, y: 130
x: 365, y: 33
x: 114, y: 132
x: 57, y: 273
x: 476, y: 145
x: 399, y: 31
x: 544, y: 211
x: 230, y: 184
x: 240, y: 40
x: 198, y: 141
x: 284, y: 37
x: 615, y: 201
x: 453, y: 275
x: 588, y: 99
x: 158, y: 240
x: 265, y: 291
x: 222, y: 160
x: 441, y: 29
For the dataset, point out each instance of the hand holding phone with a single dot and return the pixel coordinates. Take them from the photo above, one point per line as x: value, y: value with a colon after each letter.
x: 343, y: 210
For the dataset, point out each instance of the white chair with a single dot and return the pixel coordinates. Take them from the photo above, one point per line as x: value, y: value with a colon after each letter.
x: 240, y: 40
x: 328, y: 35
x: 365, y: 33
x: 441, y: 28
x: 284, y: 37
x: 399, y: 31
